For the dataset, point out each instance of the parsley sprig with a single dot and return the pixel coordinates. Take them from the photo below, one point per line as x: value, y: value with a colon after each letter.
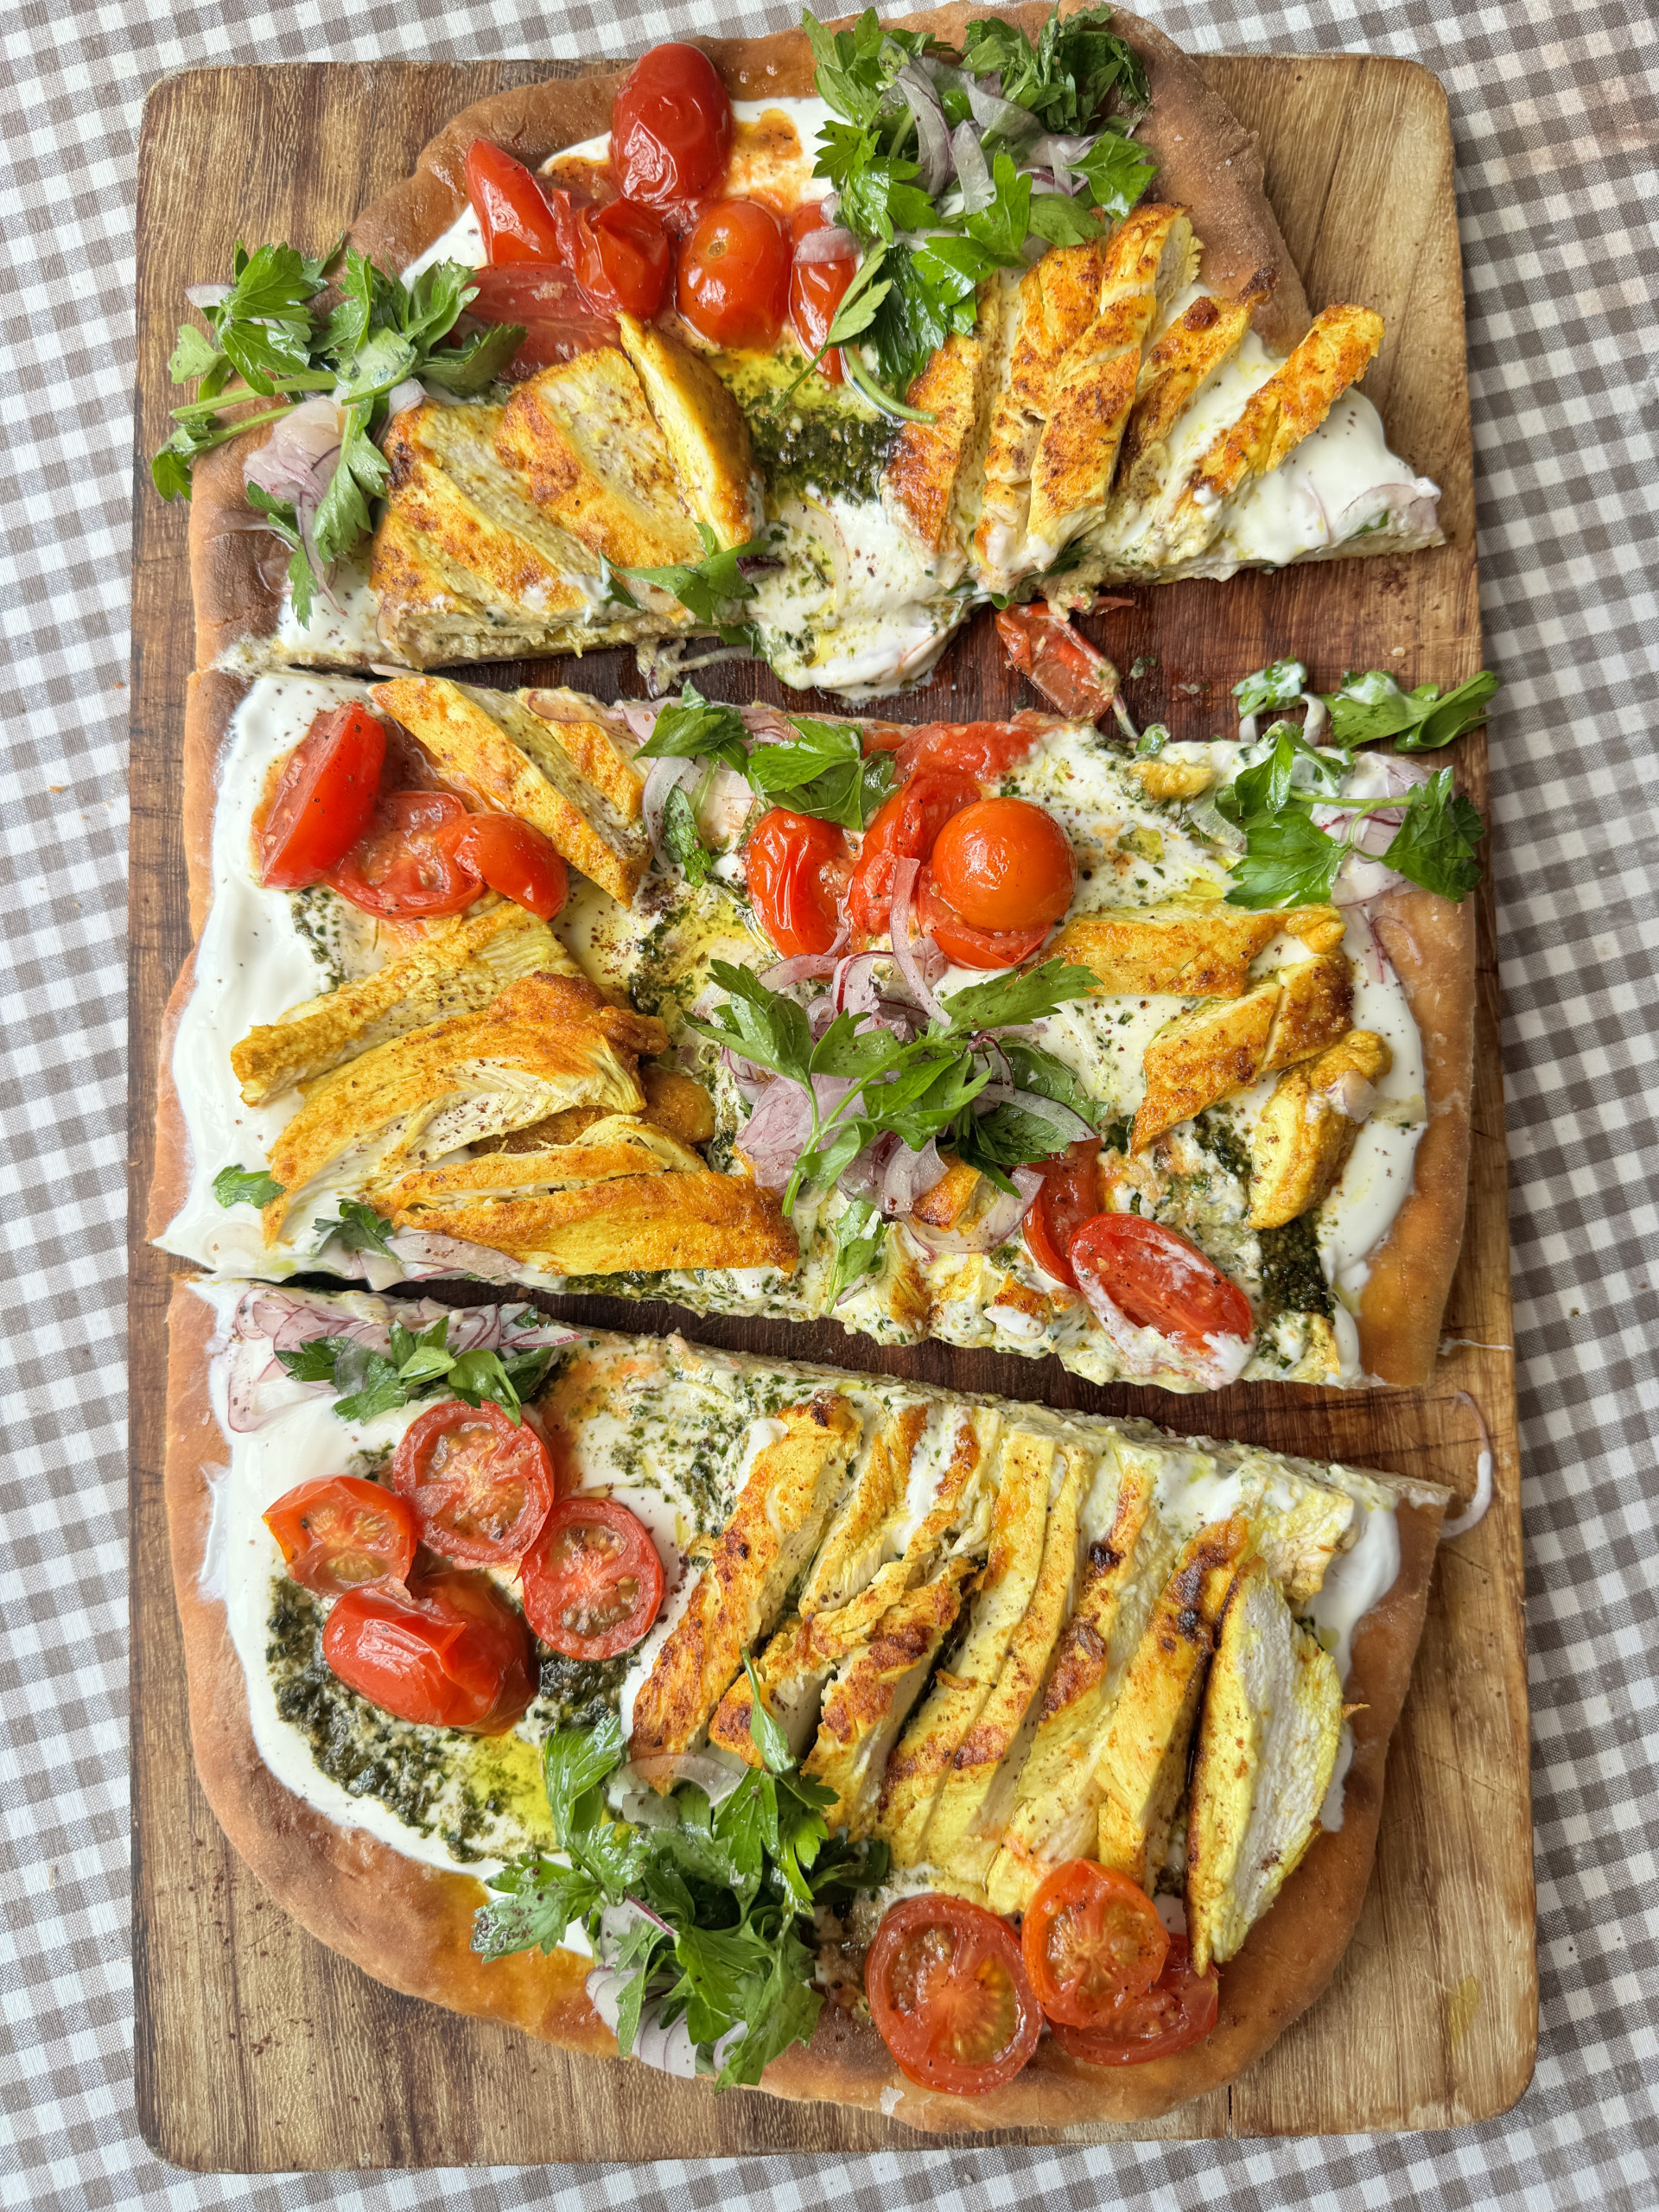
x: 721, y: 1896
x: 1289, y: 860
x: 863, y: 1083
x: 416, y: 1366
x: 272, y: 337
x: 823, y: 773
x: 712, y: 590
x: 934, y: 251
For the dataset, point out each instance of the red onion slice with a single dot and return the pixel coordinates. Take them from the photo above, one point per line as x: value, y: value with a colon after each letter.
x: 907, y: 1175
x: 297, y: 462
x: 666, y: 777
x: 802, y: 967
x: 999, y: 1222
x: 716, y: 1777
x: 829, y: 242
x: 1031, y: 1102
x: 906, y: 950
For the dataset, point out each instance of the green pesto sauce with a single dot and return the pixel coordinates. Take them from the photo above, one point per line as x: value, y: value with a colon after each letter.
x: 415, y: 1772
x: 317, y: 918
x: 1292, y: 1281
x: 578, y: 1693
x: 825, y: 438
x: 1218, y: 1136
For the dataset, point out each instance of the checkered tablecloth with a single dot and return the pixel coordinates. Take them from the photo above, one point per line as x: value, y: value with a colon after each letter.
x: 1555, y: 107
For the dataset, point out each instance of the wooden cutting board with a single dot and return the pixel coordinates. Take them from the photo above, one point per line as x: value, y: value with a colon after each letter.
x: 257, y: 2050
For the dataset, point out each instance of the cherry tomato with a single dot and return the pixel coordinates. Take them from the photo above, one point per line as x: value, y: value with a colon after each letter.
x: 1069, y: 1196
x: 560, y: 320
x: 511, y: 857
x: 446, y: 1650
x: 1058, y: 660
x: 961, y: 941
x: 1157, y: 1280
x: 341, y: 1531
x: 511, y: 207
x: 1004, y: 864
x: 671, y: 126
x: 481, y: 1485
x: 627, y: 259
x: 903, y: 828
x: 816, y: 288
x: 733, y: 286
x: 985, y: 750
x: 324, y: 799
x: 1091, y: 1936
x: 593, y: 1580
x: 949, y: 1993
x: 401, y: 869
x: 1180, y: 2008
x: 796, y: 869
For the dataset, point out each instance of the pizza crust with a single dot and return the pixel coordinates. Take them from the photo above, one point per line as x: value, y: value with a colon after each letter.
x: 409, y: 1926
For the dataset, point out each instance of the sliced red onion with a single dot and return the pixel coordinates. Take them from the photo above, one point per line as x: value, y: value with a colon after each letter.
x: 862, y: 1176
x: 716, y: 1777
x: 297, y: 462
x: 908, y: 1174
x: 640, y: 714
x: 1475, y: 1512
x: 411, y: 393
x: 932, y: 131
x: 828, y: 243
x: 1360, y: 880
x: 530, y: 1331
x: 666, y: 777
x: 906, y: 951
x: 973, y: 170
x: 424, y: 1257
x: 1072, y: 1125
x: 999, y: 1222
x: 208, y: 295
x: 751, y: 1080
x: 769, y: 724
x: 780, y: 1128
x: 803, y: 968
x: 1057, y: 153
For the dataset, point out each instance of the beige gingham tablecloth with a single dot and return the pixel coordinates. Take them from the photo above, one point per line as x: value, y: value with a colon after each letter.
x: 1557, y: 123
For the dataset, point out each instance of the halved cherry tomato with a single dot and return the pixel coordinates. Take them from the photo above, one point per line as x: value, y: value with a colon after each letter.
x: 1069, y: 1196
x: 733, y: 284
x: 511, y: 205
x: 324, y: 799
x: 627, y: 259
x: 949, y: 1993
x: 560, y: 320
x: 592, y: 1580
x: 1004, y: 864
x: 796, y: 869
x: 402, y: 868
x: 342, y: 1530
x: 670, y: 126
x: 1061, y: 663
x: 446, y: 1650
x: 1091, y: 1936
x: 903, y: 828
x: 961, y: 941
x: 511, y: 857
x: 1180, y: 2008
x: 480, y: 1484
x: 816, y: 288
x: 1158, y: 1280
x: 984, y: 749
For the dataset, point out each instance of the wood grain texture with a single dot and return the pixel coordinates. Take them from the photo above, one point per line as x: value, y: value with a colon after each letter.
x: 257, y: 2050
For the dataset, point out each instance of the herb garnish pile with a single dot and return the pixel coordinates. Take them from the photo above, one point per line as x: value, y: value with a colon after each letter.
x: 416, y: 1366
x: 825, y: 772
x: 947, y: 167
x: 710, y: 1915
x: 268, y: 338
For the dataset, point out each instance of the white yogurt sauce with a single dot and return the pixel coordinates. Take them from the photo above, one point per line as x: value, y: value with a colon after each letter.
x: 1353, y: 1583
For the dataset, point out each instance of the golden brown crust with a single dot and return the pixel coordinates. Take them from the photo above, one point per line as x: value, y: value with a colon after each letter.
x: 1430, y: 943
x: 409, y: 1926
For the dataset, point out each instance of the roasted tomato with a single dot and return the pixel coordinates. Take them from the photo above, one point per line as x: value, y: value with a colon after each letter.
x: 340, y: 1531
x: 1091, y: 1936
x: 560, y: 320
x: 324, y: 799
x: 402, y: 867
x: 1004, y: 864
x: 620, y: 252
x: 481, y: 1485
x: 961, y: 941
x: 733, y: 284
x: 446, y: 1650
x: 511, y: 857
x: 1061, y: 663
x: 671, y: 126
x: 592, y: 1580
x: 1157, y: 1280
x: 949, y: 1993
x: 797, y: 869
x: 1180, y: 2008
x: 1069, y: 1196
x: 985, y: 750
x: 824, y: 265
x: 511, y: 207
x: 903, y: 828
